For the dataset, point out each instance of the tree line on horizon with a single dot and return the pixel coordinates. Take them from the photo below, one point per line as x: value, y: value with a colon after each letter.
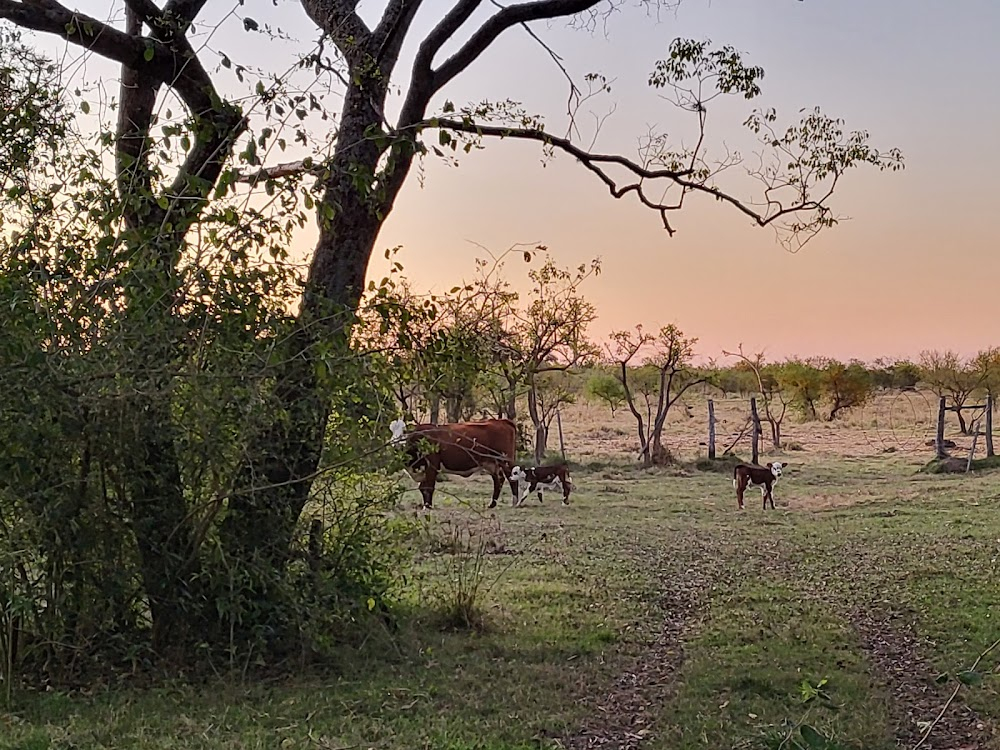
x: 484, y: 350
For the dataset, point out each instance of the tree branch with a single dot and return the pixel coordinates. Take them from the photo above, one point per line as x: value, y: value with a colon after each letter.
x: 594, y: 162
x: 391, y: 31
x: 340, y: 21
x: 510, y: 16
x: 423, y: 75
x: 146, y: 11
x: 88, y: 32
x: 178, y: 68
x: 185, y: 10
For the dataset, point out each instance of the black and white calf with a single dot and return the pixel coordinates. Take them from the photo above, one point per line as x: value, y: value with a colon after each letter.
x: 748, y: 475
x: 554, y: 477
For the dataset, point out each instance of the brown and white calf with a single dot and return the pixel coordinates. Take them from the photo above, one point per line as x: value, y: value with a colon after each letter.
x: 748, y: 475
x: 553, y: 477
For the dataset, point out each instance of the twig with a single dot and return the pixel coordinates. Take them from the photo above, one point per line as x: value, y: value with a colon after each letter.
x: 944, y: 708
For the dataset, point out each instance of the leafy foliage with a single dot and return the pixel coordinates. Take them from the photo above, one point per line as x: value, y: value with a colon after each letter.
x: 604, y: 387
x: 847, y: 385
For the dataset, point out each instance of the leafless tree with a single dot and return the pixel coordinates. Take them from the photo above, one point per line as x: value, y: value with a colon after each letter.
x: 769, y: 389
x: 665, y: 375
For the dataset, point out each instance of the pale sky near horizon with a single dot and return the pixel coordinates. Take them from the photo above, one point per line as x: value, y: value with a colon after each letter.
x: 917, y: 267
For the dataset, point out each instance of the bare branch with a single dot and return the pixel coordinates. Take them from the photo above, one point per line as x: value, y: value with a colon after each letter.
x: 574, y: 91
x: 510, y: 16
x: 593, y: 162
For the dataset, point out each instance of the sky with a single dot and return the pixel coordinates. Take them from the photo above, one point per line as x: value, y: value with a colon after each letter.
x: 916, y: 267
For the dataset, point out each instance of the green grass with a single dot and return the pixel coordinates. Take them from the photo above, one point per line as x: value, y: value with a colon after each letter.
x: 719, y: 615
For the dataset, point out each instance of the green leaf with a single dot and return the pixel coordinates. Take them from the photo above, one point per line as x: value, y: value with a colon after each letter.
x: 226, y: 62
x: 814, y: 738
x: 147, y: 54
x: 85, y: 107
x: 969, y: 677
x: 162, y: 202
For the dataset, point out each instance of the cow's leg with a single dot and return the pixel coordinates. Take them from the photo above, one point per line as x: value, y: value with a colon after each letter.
x: 763, y: 496
x: 539, y: 491
x: 740, y: 488
x: 565, y: 499
x: 427, y: 483
x: 515, y: 491
x: 498, y: 480
x: 770, y: 495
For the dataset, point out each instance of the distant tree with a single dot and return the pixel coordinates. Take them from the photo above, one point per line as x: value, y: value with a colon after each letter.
x: 846, y: 386
x: 894, y: 374
x: 664, y: 377
x: 768, y: 387
x: 551, y: 390
x: 951, y: 377
x: 803, y: 382
x: 548, y: 333
x: 987, y: 362
x: 606, y: 388
x: 738, y: 380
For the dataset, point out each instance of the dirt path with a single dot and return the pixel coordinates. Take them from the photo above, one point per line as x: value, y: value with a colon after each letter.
x: 894, y: 649
x: 623, y: 716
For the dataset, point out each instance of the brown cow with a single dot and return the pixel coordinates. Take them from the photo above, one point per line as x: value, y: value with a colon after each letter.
x: 748, y: 475
x: 553, y: 477
x: 462, y: 448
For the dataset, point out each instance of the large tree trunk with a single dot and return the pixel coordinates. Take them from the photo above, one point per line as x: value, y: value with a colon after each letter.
x: 510, y: 410
x: 281, y: 463
x: 656, y: 453
x: 155, y: 234
x: 659, y: 455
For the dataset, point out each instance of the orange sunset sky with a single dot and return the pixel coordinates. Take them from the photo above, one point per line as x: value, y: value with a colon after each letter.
x: 917, y: 267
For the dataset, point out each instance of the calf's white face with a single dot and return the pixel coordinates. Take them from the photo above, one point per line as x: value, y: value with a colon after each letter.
x: 397, y: 426
x: 777, y: 466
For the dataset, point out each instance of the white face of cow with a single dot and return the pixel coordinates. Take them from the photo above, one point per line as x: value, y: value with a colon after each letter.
x: 398, y: 427
x: 517, y: 474
x: 777, y: 466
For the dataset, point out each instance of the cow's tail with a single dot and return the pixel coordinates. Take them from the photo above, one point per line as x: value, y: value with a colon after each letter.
x: 734, y: 478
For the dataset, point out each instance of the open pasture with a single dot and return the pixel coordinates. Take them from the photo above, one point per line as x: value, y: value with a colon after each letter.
x: 650, y: 613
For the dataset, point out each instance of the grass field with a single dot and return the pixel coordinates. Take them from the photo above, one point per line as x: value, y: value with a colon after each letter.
x: 649, y: 613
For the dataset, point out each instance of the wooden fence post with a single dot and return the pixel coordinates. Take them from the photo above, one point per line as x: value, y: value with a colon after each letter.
x: 939, y: 437
x: 989, y: 427
x: 562, y: 445
x: 711, y: 429
x: 972, y: 451
x: 756, y: 428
